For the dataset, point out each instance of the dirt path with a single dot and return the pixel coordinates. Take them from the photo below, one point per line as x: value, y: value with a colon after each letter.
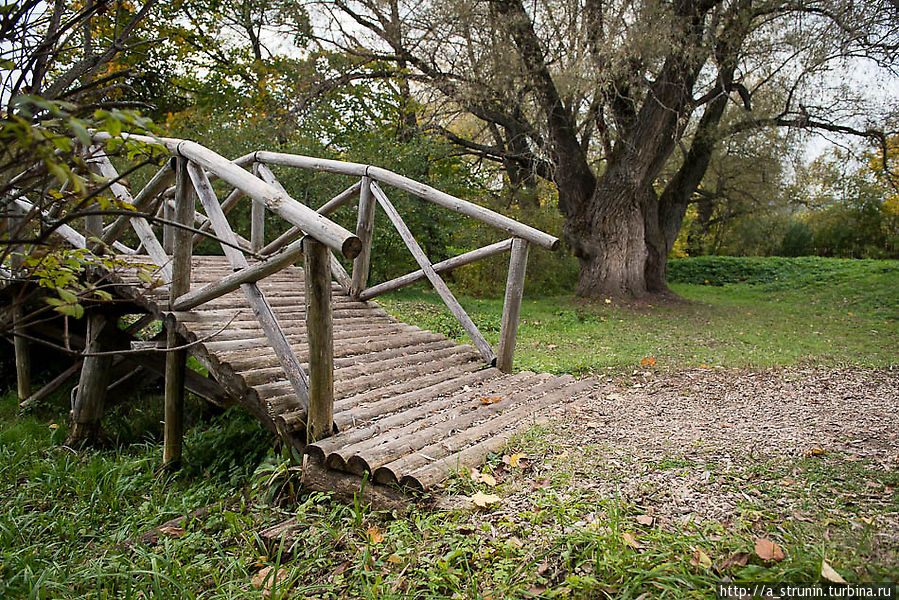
x: 735, y: 445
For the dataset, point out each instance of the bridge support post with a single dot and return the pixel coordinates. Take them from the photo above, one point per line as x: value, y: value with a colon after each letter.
x: 175, y: 360
x: 364, y: 226
x: 320, y: 330
x: 512, y: 305
x: 21, y: 345
x: 257, y: 220
x: 89, y: 398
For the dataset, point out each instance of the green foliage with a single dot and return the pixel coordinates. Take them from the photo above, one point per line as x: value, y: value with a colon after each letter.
x: 778, y: 273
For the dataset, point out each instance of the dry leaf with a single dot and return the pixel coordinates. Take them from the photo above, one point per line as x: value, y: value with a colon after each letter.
x: 395, y: 559
x: 615, y: 397
x: 488, y: 479
x: 481, y: 499
x: 170, y: 531
x: 648, y: 361
x: 768, y: 550
x: 815, y: 452
x: 737, y: 559
x: 630, y: 541
x: 491, y: 400
x: 701, y: 559
x: 515, y: 459
x: 268, y: 581
x: 374, y: 534
x: 645, y: 520
x: 830, y: 574
x: 516, y: 542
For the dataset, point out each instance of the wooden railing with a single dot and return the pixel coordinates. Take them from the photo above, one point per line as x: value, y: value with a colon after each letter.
x: 192, y: 169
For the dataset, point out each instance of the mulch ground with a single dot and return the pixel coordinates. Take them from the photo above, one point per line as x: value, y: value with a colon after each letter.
x: 708, y: 444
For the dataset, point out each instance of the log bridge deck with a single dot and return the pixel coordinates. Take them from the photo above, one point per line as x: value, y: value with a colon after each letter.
x: 305, y: 349
x: 410, y: 405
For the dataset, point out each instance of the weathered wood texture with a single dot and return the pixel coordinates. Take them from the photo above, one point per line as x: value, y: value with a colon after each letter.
x: 512, y: 305
x: 410, y: 405
x: 320, y: 330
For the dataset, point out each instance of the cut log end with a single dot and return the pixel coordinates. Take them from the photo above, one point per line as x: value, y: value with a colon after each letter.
x: 351, y: 248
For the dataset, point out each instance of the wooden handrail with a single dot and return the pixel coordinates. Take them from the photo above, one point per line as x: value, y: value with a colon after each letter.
x: 320, y: 228
x: 421, y: 190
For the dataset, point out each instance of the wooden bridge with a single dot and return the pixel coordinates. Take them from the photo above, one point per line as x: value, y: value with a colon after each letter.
x: 304, y: 349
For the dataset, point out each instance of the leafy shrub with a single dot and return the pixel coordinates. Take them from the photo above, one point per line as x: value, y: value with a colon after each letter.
x: 773, y: 271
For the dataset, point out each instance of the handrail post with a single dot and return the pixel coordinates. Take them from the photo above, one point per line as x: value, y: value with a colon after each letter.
x: 320, y: 330
x: 512, y: 304
x: 175, y: 360
x: 21, y: 345
x: 364, y: 227
x: 257, y: 220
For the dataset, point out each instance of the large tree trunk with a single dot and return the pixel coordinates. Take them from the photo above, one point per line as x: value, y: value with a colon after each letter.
x: 618, y: 240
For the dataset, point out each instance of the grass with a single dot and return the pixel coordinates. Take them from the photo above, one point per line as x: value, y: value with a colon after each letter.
x: 65, y: 516
x: 843, y: 313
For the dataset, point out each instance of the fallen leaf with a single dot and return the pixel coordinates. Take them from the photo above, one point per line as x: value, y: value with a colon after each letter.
x: 615, y: 397
x: 516, y: 542
x: 830, y: 574
x: 268, y: 581
x: 491, y: 400
x: 395, y: 559
x: 488, y: 479
x: 701, y: 559
x: 53, y: 426
x: 630, y: 541
x: 170, y: 531
x: 866, y: 520
x: 481, y: 499
x: 737, y: 559
x: 768, y: 550
x: 815, y: 452
x: 645, y: 520
x: 648, y: 361
x: 514, y: 460
x: 608, y: 300
x: 374, y: 534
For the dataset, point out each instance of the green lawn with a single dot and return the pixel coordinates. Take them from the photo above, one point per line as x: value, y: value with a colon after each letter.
x: 848, y: 315
x: 65, y: 516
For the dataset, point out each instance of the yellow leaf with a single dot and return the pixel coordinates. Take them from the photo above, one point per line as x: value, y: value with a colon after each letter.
x: 701, y: 559
x: 54, y: 426
x: 515, y: 459
x: 395, y: 559
x: 374, y: 534
x: 830, y: 574
x: 648, y: 361
x: 482, y: 500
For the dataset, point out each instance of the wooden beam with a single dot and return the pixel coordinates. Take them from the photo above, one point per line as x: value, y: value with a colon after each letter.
x: 88, y: 407
x: 512, y: 305
x: 227, y: 204
x: 329, y: 233
x: 425, y: 192
x: 320, y: 331
x: 257, y: 218
x: 439, y: 285
x: 142, y: 202
x: 292, y: 368
x: 231, y: 282
x: 324, y: 210
x: 364, y: 226
x: 53, y: 385
x: 441, y: 267
x: 176, y: 360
